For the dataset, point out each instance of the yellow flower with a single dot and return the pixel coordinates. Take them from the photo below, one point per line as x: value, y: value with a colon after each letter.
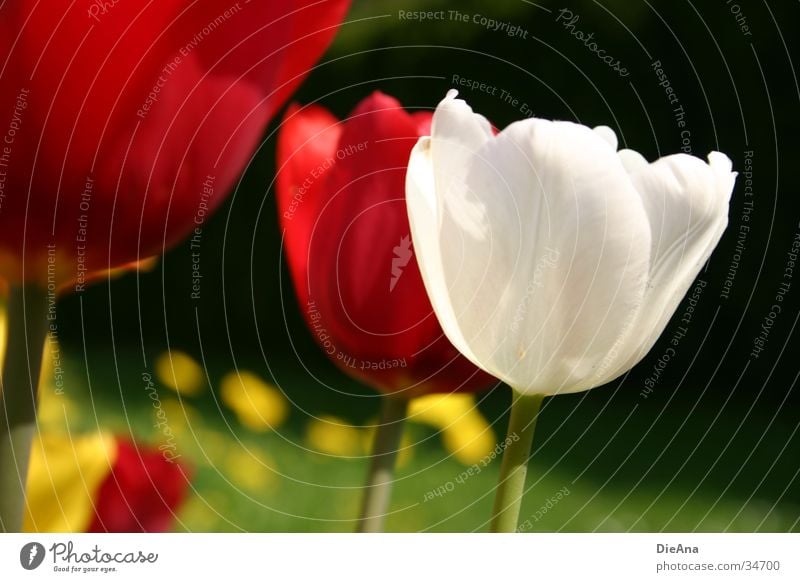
x: 469, y: 439
x: 181, y: 415
x: 54, y: 411
x: 258, y: 405
x: 334, y: 436
x: 250, y: 468
x: 179, y: 371
x: 3, y: 324
x: 465, y: 432
x: 64, y: 477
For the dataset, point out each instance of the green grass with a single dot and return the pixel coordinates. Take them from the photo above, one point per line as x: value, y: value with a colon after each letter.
x: 628, y: 464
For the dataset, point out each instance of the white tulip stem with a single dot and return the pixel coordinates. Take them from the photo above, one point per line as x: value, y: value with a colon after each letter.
x: 19, y: 384
x: 514, y: 468
x: 378, y: 489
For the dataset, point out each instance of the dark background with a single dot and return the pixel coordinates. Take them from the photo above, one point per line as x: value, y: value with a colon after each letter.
x: 739, y: 93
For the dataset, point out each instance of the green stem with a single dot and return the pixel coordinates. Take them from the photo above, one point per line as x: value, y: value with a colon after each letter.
x: 508, y: 496
x: 378, y: 490
x: 19, y: 383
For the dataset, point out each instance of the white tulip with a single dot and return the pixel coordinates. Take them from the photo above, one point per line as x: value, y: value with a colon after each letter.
x: 552, y: 260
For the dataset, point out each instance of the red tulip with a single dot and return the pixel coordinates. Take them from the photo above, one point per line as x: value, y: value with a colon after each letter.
x: 140, y: 494
x: 341, y: 198
x: 124, y: 124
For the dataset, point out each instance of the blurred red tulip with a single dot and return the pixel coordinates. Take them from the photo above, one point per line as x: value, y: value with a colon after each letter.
x: 124, y: 124
x: 341, y: 198
x: 140, y: 494
x: 99, y: 483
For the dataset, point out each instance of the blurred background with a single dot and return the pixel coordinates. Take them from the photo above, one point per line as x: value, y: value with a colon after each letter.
x: 705, y: 438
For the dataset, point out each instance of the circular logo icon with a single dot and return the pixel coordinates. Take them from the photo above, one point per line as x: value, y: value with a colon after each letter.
x: 31, y: 555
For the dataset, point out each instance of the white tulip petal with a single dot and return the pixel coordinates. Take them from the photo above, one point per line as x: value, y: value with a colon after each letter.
x: 526, y: 285
x: 552, y: 261
x: 686, y: 201
x: 423, y: 215
x: 460, y: 133
x: 608, y: 135
x: 633, y: 161
x: 455, y: 120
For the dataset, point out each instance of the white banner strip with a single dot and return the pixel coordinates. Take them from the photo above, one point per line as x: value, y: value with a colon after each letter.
x: 400, y: 557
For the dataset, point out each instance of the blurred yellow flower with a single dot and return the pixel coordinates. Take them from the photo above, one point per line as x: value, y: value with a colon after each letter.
x: 179, y: 371
x: 465, y: 432
x: 258, y: 405
x: 334, y: 436
x: 439, y: 410
x: 250, y: 468
x: 199, y: 514
x: 181, y: 414
x: 469, y: 439
x: 3, y: 325
x: 64, y: 477
x: 54, y: 410
x: 212, y: 446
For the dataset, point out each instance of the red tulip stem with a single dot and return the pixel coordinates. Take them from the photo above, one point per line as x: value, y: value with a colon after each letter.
x: 378, y: 490
x: 514, y: 468
x: 19, y: 383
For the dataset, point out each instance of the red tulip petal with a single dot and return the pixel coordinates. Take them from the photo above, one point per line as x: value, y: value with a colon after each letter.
x: 306, y: 143
x: 364, y: 236
x: 350, y: 252
x: 290, y: 34
x: 141, y: 494
x: 147, y: 101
